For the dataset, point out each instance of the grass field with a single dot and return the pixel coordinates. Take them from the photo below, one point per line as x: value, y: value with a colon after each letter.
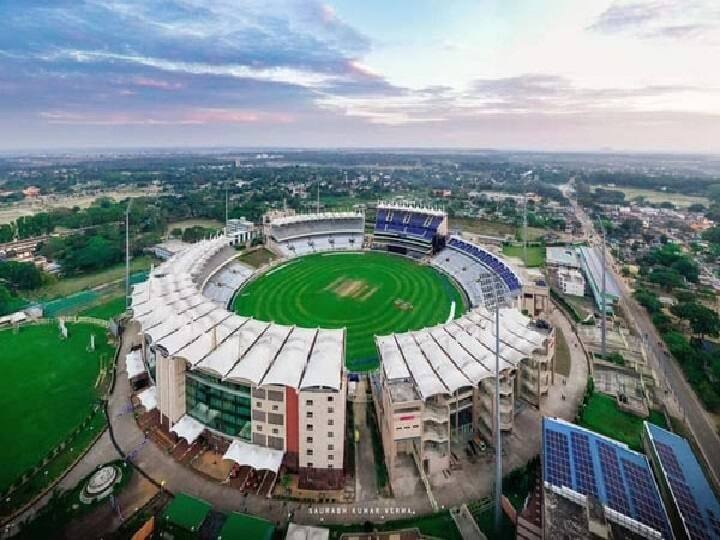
x: 602, y: 415
x: 491, y: 228
x: 107, y: 309
x: 657, y: 197
x: 47, y: 389
x: 368, y: 293
x: 71, y: 285
x: 535, y: 254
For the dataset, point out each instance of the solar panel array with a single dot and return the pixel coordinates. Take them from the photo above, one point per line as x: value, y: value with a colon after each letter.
x: 595, y: 466
x: 693, y: 496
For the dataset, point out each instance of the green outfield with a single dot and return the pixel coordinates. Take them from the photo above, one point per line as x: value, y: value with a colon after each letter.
x: 367, y: 293
x: 47, y: 388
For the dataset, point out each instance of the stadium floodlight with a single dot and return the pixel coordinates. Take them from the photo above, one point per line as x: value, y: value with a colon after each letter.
x: 502, y: 297
x: 603, y: 320
x: 127, y: 254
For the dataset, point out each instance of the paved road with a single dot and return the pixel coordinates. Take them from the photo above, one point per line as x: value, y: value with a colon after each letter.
x: 668, y: 371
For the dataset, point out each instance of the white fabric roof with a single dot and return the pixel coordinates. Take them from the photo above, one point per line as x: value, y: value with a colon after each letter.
x: 177, y: 318
x: 392, y: 360
x: 451, y: 376
x: 253, y: 366
x: 148, y: 398
x: 300, y: 218
x: 221, y: 360
x: 324, y: 367
x: 134, y: 364
x: 188, y: 428
x: 428, y: 384
x: 251, y: 455
x: 292, y: 358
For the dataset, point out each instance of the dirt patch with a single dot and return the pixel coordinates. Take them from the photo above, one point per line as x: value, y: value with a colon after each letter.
x: 402, y: 305
x: 357, y: 289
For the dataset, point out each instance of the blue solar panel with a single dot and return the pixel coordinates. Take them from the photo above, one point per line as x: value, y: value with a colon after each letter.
x: 605, y: 469
x: 691, y: 492
x: 584, y: 468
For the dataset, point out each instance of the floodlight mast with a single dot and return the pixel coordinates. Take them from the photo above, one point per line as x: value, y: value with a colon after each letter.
x: 127, y: 254
x: 500, y: 297
x: 603, y: 321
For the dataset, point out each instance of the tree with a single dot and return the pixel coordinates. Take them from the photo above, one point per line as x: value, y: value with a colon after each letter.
x: 667, y: 278
x: 648, y: 300
x: 20, y: 275
x: 703, y: 320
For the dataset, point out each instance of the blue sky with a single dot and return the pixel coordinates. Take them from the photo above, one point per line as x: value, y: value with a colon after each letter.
x: 526, y: 74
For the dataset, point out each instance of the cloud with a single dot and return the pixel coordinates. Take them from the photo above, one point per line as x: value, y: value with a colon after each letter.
x: 669, y: 19
x: 542, y: 94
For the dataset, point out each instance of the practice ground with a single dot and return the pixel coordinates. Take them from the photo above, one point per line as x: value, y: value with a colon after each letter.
x: 47, y: 389
x: 367, y: 293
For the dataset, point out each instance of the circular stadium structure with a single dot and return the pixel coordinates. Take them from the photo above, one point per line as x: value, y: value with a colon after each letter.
x: 272, y: 396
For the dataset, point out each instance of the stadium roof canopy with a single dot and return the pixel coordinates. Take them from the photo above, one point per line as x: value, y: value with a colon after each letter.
x: 257, y: 457
x: 460, y: 353
x: 300, y: 218
x: 181, y: 322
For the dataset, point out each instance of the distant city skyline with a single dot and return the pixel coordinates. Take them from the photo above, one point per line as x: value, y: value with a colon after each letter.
x: 527, y: 75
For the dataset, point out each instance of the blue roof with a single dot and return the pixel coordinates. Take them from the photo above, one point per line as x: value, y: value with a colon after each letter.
x: 695, y: 500
x: 591, y: 464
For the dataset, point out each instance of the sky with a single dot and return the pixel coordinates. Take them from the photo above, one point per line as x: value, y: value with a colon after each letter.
x: 523, y: 74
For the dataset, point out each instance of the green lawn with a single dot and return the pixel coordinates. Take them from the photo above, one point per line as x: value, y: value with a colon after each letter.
x: 71, y: 285
x: 47, y: 389
x: 368, y: 293
x: 535, y: 254
x: 107, y: 309
x: 602, y: 415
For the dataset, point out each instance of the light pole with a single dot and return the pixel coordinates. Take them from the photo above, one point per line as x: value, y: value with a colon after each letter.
x: 127, y: 254
x: 501, y: 296
x: 603, y: 321
x: 498, y: 436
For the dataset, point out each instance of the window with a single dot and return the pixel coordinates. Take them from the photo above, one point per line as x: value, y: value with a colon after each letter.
x: 259, y: 428
x: 274, y: 431
x: 330, y: 465
x: 274, y: 407
x: 331, y: 398
x: 331, y: 457
x: 331, y: 410
x: 308, y: 402
x: 308, y: 414
x: 308, y: 427
x: 258, y: 404
x: 310, y: 464
x: 331, y: 447
x: 309, y: 440
x: 309, y: 452
x: 331, y: 422
x: 331, y: 434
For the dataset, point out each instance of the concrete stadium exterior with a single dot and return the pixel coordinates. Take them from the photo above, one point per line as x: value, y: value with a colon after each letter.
x: 269, y: 393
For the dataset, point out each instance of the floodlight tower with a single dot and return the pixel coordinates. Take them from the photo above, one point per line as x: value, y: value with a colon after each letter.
x: 127, y: 254
x: 502, y: 296
x: 603, y: 321
x: 525, y: 202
